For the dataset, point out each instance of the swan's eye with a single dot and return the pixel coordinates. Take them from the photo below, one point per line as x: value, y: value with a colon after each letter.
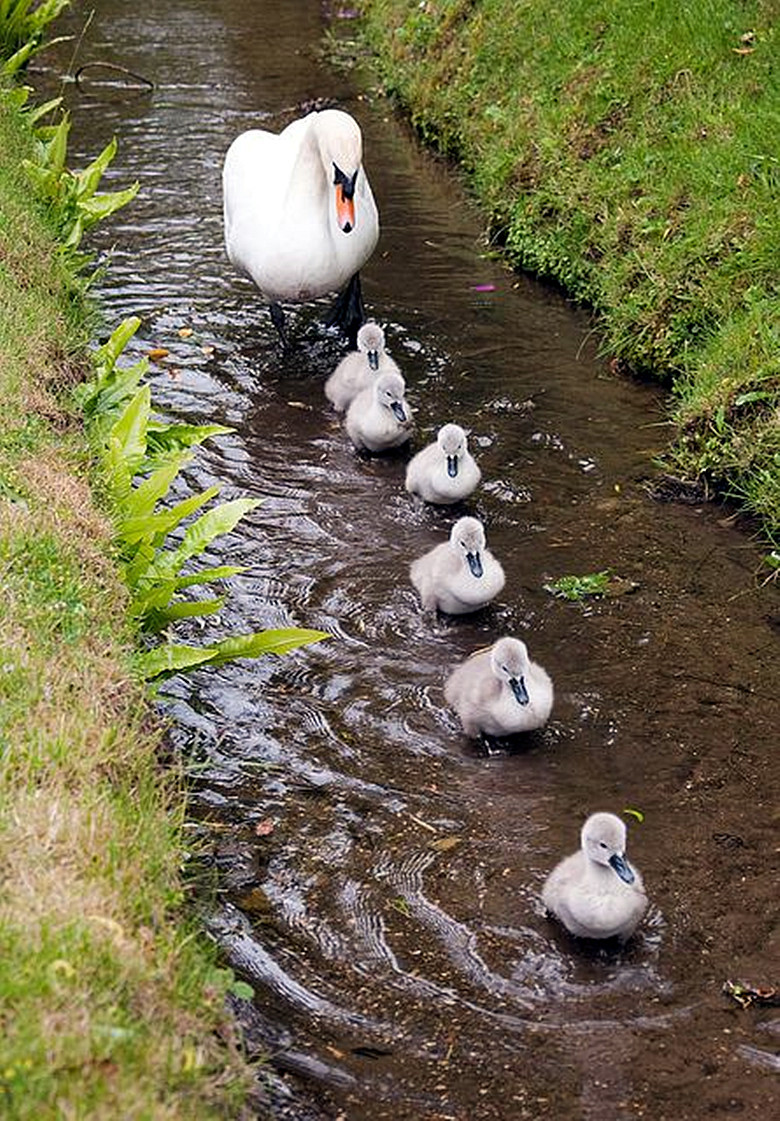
x: 603, y: 844
x: 346, y: 182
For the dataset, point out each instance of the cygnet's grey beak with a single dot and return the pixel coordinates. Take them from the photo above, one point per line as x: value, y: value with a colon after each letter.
x: 622, y: 867
x: 398, y: 410
x: 373, y: 359
x: 517, y: 685
x: 452, y: 466
x: 475, y: 564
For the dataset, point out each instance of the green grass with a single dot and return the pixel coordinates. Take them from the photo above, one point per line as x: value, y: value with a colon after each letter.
x: 110, y: 1006
x: 628, y: 151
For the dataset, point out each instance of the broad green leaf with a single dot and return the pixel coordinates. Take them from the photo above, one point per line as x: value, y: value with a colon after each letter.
x: 156, y: 526
x: 201, y: 533
x: 165, y: 660
x: 57, y: 147
x: 43, y: 14
x: 274, y: 641
x: 88, y: 179
x: 41, y: 177
x: 17, y: 60
x: 33, y: 115
x: 209, y: 575
x: 118, y: 474
x: 102, y: 400
x: 151, y: 597
x: 18, y: 97
x: 147, y: 494
x: 157, y: 620
x: 110, y: 351
x: 129, y: 432
x: 174, y: 437
x: 73, y: 234
x: 101, y: 206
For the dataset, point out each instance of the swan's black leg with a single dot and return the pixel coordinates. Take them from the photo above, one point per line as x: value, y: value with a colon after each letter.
x: 348, y: 312
x: 277, y: 318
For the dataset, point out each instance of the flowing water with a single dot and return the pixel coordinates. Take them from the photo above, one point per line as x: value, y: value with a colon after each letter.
x: 378, y: 873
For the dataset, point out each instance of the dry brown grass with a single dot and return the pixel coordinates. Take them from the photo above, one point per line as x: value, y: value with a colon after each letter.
x: 66, y: 503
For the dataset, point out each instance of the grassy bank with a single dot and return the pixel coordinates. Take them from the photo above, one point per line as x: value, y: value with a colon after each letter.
x: 108, y: 1006
x: 628, y: 151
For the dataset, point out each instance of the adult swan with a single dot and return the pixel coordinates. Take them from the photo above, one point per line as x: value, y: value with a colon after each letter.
x: 300, y: 218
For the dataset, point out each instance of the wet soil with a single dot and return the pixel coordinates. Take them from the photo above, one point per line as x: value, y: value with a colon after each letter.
x: 378, y: 873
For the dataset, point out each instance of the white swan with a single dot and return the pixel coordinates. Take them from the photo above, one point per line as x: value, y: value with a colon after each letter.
x: 379, y: 418
x: 595, y: 892
x: 500, y: 691
x: 300, y: 218
x: 446, y: 471
x: 359, y: 369
x: 461, y: 574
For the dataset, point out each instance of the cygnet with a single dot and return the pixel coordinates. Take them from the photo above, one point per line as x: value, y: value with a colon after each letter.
x: 446, y: 471
x: 500, y: 691
x: 461, y: 574
x: 379, y: 418
x: 595, y: 892
x: 358, y: 369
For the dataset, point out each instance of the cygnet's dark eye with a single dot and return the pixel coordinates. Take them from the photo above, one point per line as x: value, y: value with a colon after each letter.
x: 604, y: 844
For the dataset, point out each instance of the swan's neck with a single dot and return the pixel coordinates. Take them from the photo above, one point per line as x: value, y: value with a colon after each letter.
x: 310, y: 179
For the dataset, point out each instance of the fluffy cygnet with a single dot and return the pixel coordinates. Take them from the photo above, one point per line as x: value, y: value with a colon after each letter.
x: 500, y: 691
x: 595, y: 892
x: 379, y: 417
x: 446, y: 471
x: 461, y: 574
x: 358, y: 369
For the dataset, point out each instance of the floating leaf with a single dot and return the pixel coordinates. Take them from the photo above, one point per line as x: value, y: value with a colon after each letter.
x: 634, y: 813
x: 444, y: 844
x: 158, y: 352
x: 242, y: 990
x: 603, y: 583
x: 185, y: 332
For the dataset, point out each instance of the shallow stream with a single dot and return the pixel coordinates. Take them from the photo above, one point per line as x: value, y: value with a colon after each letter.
x: 379, y: 874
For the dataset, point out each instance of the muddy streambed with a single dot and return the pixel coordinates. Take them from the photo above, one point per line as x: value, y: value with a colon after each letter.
x: 379, y: 874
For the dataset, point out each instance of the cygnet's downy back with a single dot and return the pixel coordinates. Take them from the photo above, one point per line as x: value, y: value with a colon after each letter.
x: 444, y: 472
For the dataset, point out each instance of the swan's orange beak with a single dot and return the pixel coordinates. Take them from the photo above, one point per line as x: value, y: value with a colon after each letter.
x: 345, y: 210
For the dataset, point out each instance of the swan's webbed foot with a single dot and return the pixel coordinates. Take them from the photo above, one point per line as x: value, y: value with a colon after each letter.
x: 277, y: 318
x: 348, y: 312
